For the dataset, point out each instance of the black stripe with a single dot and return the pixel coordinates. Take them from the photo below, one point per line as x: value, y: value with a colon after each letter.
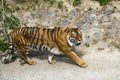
x: 38, y: 36
x: 44, y: 29
x: 48, y: 33
x: 58, y: 28
x: 40, y: 48
x: 25, y: 32
x: 52, y: 31
x: 30, y: 35
x: 34, y: 35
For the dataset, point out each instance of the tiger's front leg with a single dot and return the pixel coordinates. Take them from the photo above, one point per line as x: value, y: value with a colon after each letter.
x: 75, y: 58
x: 50, y: 59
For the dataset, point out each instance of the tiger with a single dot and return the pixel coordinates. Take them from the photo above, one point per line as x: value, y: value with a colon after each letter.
x: 54, y: 41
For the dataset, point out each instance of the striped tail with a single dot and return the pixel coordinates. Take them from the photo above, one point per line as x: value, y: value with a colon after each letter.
x: 8, y: 55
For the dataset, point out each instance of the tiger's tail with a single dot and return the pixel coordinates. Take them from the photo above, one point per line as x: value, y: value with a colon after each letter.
x: 9, y: 55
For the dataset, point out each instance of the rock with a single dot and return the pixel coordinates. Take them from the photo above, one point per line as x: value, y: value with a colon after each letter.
x: 98, y: 36
x: 78, y: 23
x: 33, y: 15
x: 112, y: 33
x: 73, y: 13
x: 109, y: 10
x: 117, y: 24
x: 49, y: 14
x: 89, y: 12
x: 99, y: 12
x: 85, y: 27
x: 88, y: 39
x: 27, y: 16
x: 90, y: 19
x: 100, y: 18
x: 104, y: 18
x: 96, y: 24
x: 108, y: 25
x: 41, y: 13
x: 65, y: 22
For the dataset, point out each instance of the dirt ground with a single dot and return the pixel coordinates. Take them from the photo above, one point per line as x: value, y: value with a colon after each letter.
x: 102, y: 65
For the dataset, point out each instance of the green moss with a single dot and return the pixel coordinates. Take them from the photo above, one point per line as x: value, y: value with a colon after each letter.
x: 90, y: 8
x: 94, y: 41
x: 86, y: 44
x: 60, y: 4
x: 51, y: 2
x: 100, y: 49
x: 103, y: 2
x: 3, y: 45
x: 76, y: 2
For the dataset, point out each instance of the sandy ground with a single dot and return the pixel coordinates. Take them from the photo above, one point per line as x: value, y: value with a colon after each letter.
x: 102, y: 65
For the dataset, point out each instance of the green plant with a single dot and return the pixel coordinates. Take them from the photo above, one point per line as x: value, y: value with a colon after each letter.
x: 76, y: 2
x: 11, y: 22
x: 3, y: 45
x: 90, y: 8
x: 51, y: 2
x: 60, y: 4
x: 86, y: 44
x: 8, y: 20
x: 103, y: 2
x: 95, y: 41
x: 33, y: 7
x: 100, y: 49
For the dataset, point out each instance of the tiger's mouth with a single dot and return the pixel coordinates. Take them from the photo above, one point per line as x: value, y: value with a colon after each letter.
x: 78, y: 43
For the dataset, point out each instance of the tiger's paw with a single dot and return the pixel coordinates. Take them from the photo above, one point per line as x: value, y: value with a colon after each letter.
x: 53, y: 61
x: 84, y: 65
x: 31, y: 62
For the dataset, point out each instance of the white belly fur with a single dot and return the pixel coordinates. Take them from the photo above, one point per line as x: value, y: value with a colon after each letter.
x: 56, y: 51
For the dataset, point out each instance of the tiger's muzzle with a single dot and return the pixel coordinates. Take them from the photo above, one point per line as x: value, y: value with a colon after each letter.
x: 78, y: 43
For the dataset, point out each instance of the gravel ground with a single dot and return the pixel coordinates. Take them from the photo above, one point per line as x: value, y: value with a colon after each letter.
x: 102, y: 65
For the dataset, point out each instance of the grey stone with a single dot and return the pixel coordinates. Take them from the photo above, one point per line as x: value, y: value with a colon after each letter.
x: 112, y: 33
x: 89, y: 12
x: 101, y: 18
x: 98, y: 36
x: 33, y: 15
x: 78, y: 23
x: 96, y: 24
x: 90, y: 19
x: 117, y: 24
x: 73, y: 13
x: 49, y: 14
x: 109, y: 10
x: 99, y: 12
x: 108, y: 25
x: 85, y: 27
x: 41, y: 13
x: 65, y: 22
x: 88, y: 39
x: 27, y: 18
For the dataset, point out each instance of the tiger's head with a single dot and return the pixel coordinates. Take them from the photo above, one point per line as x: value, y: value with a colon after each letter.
x: 74, y: 36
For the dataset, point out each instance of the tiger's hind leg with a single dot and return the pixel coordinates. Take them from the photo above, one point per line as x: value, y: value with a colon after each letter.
x: 50, y: 59
x: 23, y: 48
x: 27, y: 58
